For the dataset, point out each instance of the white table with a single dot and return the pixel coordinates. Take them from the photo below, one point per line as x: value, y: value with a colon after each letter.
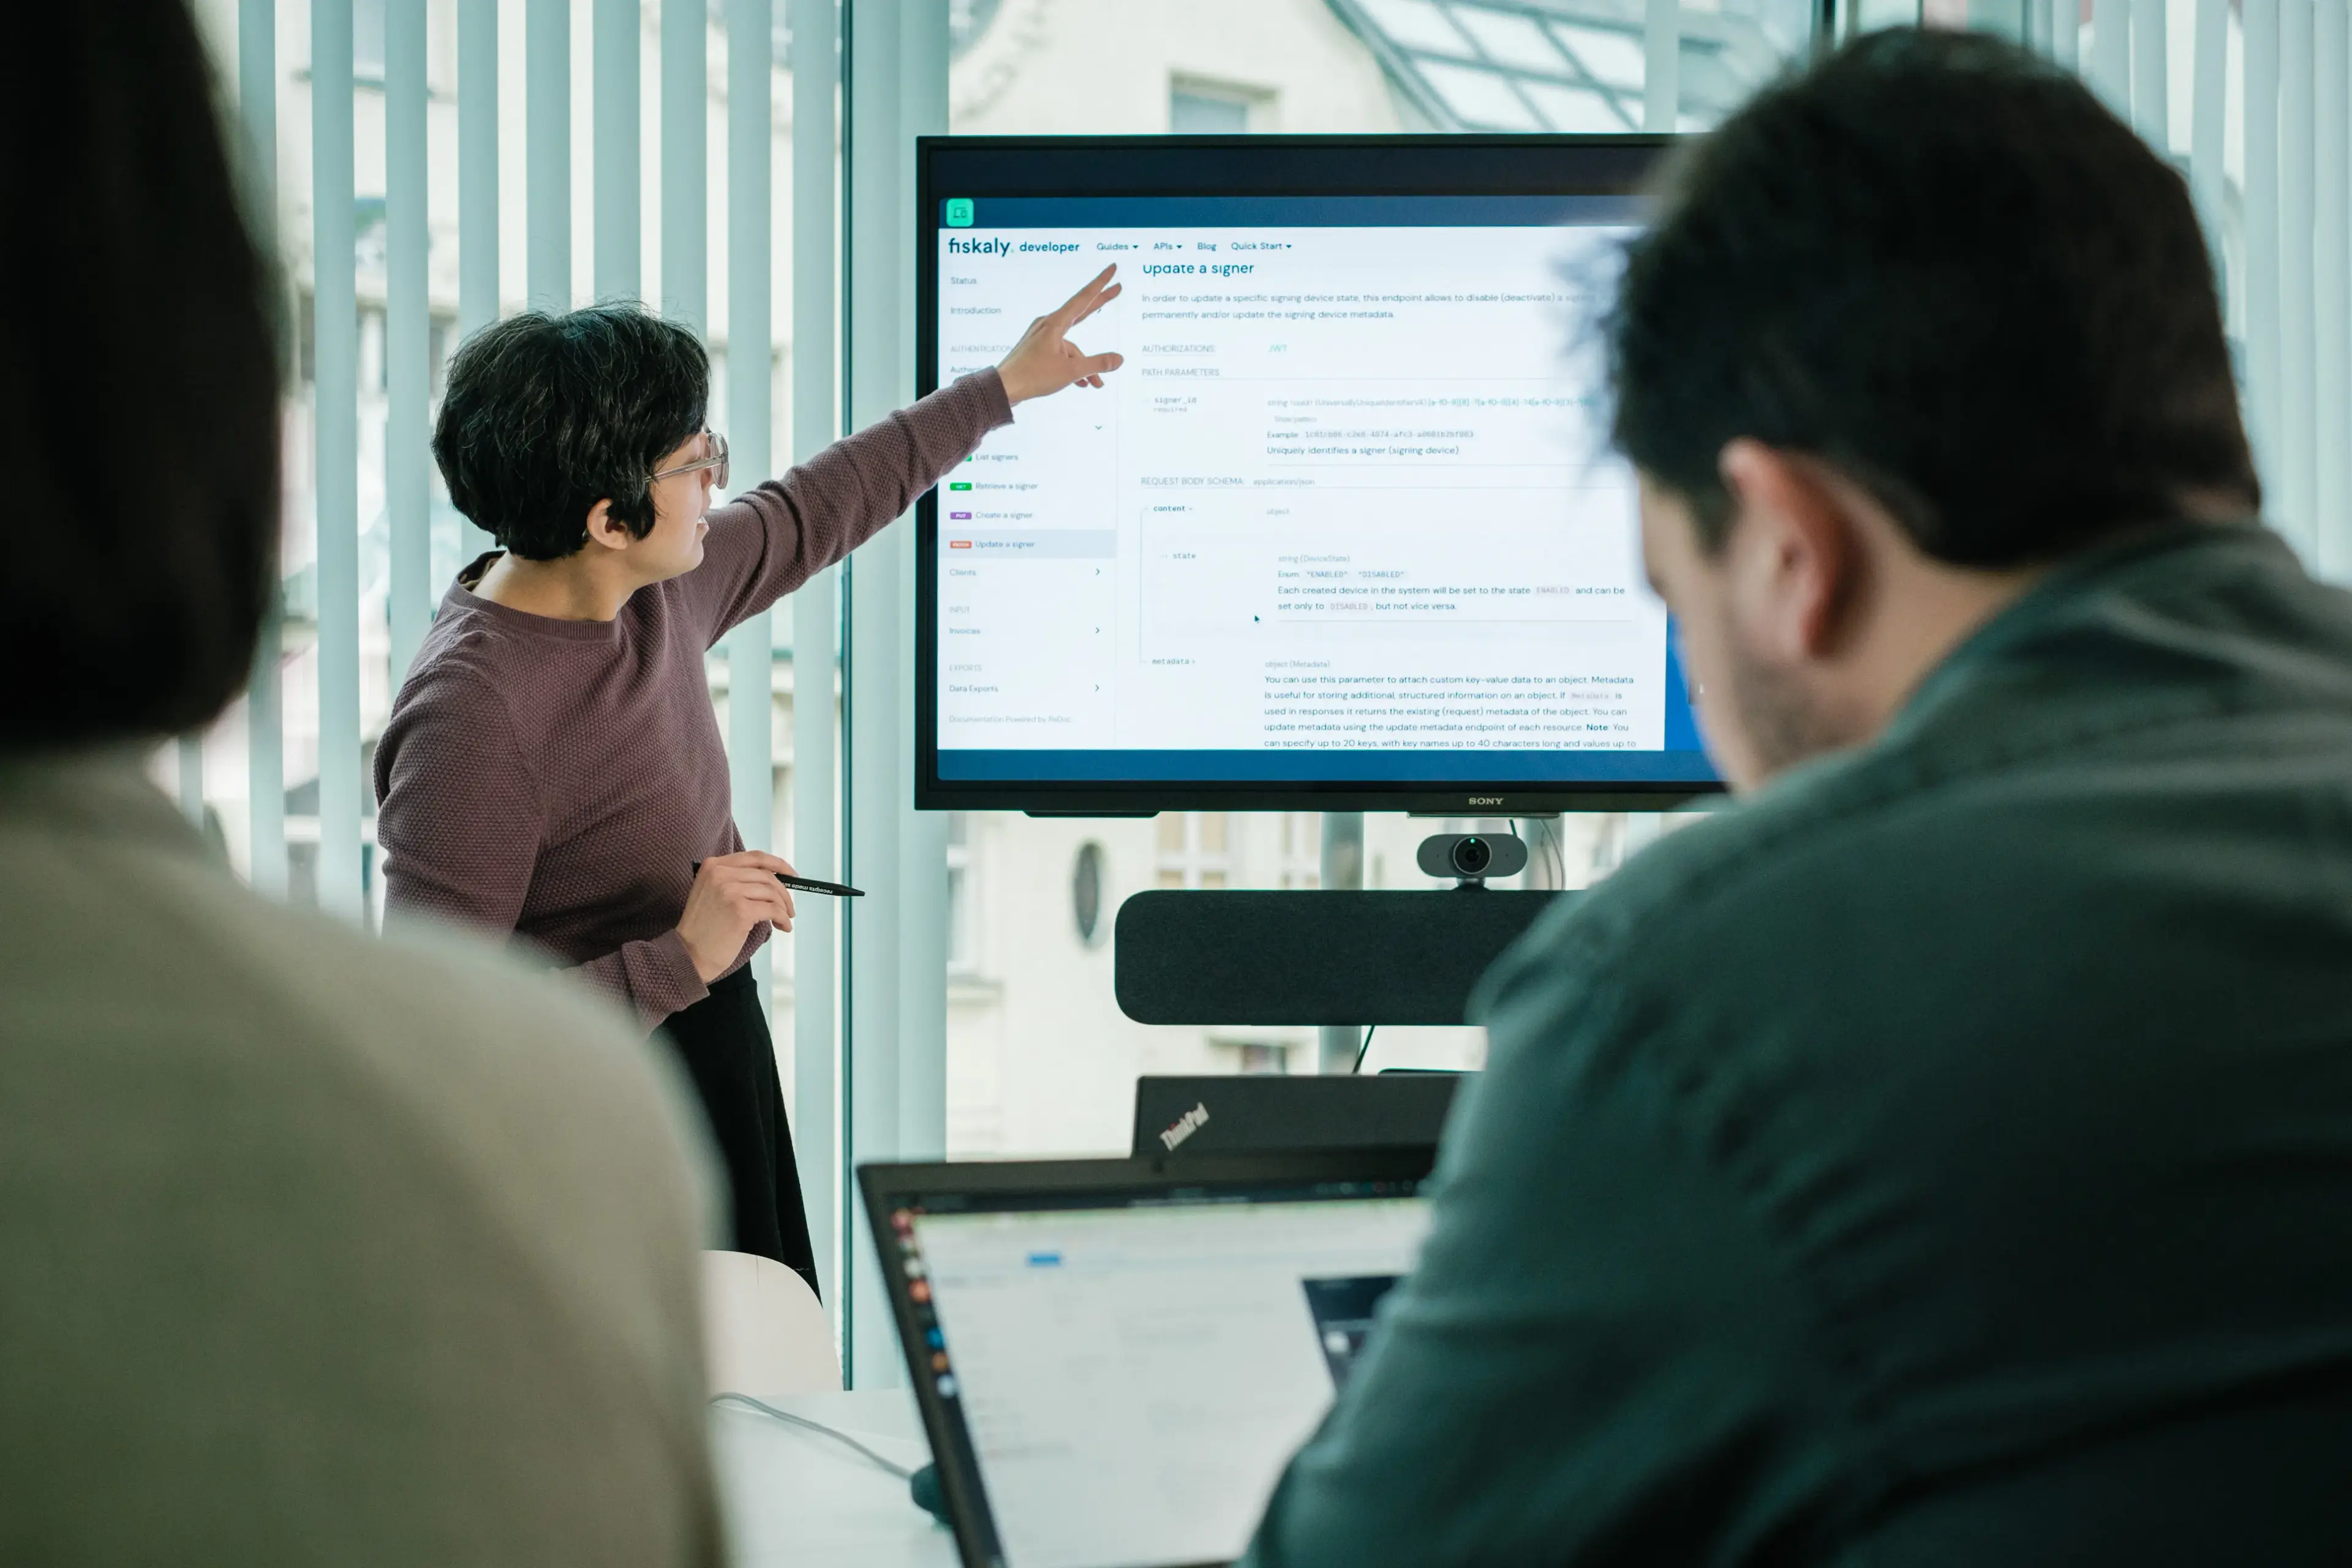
x: 796, y: 1497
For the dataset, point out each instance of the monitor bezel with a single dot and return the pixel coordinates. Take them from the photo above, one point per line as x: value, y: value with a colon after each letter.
x: 885, y: 1186
x: 1260, y: 166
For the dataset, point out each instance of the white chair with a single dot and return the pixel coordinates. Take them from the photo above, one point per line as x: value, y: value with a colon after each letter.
x: 764, y: 1330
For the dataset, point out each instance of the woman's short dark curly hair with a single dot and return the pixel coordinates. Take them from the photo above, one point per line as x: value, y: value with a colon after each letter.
x: 546, y: 415
x: 138, y: 382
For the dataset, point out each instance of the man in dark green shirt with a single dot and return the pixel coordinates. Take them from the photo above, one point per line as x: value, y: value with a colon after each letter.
x: 1944, y: 1156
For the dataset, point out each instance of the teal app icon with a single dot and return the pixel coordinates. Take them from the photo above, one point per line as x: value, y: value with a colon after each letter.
x: 959, y: 212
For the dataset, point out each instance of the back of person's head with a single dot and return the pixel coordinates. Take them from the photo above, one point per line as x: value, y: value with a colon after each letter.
x: 1940, y: 266
x: 546, y: 415
x: 139, y: 380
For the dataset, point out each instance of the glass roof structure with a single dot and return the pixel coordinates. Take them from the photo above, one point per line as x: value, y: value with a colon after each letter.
x: 1569, y: 65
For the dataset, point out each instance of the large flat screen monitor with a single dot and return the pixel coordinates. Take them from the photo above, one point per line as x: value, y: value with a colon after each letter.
x: 1343, y: 533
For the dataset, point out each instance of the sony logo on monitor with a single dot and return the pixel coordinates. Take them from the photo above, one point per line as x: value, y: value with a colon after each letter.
x: 978, y: 246
x: 1485, y: 800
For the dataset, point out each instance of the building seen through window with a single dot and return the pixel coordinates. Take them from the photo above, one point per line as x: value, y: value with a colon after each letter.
x: 1195, y: 109
x: 1193, y: 849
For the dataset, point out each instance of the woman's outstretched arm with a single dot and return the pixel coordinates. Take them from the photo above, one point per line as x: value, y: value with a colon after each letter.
x: 774, y: 537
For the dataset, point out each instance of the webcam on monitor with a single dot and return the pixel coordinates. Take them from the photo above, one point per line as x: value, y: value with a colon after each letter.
x: 1473, y: 856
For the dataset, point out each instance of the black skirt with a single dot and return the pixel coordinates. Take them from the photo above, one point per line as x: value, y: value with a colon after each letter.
x: 724, y: 1043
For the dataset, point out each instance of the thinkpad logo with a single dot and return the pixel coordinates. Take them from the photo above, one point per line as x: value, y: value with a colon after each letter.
x: 1185, y: 1126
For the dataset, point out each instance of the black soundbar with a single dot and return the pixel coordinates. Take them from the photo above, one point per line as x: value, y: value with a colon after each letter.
x: 1314, y: 957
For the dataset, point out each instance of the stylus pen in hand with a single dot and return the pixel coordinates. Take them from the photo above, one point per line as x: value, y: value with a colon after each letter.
x: 800, y: 884
x: 811, y: 885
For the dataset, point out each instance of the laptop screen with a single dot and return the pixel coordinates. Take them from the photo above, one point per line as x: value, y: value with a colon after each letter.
x: 1128, y: 1372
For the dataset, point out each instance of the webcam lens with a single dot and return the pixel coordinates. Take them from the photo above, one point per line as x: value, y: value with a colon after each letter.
x: 1472, y: 856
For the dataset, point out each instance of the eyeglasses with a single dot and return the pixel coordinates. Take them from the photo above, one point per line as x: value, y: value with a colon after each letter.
x: 714, y: 457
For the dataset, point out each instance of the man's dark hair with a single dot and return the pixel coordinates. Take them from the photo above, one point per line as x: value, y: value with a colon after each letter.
x: 138, y: 382
x: 1940, y: 266
x: 546, y: 415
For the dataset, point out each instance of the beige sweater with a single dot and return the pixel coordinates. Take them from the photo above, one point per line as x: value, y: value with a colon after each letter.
x: 316, y: 1248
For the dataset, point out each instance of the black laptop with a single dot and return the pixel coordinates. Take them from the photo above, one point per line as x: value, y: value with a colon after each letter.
x: 1205, y: 1115
x: 1116, y: 1358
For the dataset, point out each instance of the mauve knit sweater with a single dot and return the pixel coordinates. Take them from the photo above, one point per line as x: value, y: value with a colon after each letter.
x: 556, y: 779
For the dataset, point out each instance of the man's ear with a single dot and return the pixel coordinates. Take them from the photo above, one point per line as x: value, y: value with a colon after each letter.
x: 1798, y: 558
x: 606, y: 530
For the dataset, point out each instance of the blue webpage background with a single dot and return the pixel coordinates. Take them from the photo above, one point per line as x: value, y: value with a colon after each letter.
x: 1682, y: 761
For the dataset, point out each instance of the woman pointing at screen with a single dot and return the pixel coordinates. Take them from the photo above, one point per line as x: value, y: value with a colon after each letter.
x: 551, y: 768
